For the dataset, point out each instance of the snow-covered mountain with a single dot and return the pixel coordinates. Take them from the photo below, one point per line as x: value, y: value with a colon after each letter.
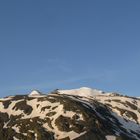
x: 77, y: 114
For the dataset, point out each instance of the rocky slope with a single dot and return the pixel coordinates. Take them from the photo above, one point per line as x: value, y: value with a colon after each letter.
x: 78, y: 114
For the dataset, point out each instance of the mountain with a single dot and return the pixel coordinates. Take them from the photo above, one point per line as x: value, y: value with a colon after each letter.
x: 77, y: 114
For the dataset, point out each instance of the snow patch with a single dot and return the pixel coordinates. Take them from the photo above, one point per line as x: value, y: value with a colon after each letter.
x: 83, y: 91
x: 110, y: 137
x: 35, y: 93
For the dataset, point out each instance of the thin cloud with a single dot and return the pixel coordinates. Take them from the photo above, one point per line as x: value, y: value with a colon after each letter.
x: 107, y: 75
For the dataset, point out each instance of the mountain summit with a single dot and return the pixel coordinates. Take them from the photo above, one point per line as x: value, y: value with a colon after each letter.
x: 76, y: 114
x: 35, y: 93
x: 83, y: 91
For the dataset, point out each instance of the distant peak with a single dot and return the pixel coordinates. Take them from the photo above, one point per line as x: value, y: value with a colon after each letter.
x: 35, y: 93
x: 90, y: 89
x: 83, y: 91
x: 85, y: 88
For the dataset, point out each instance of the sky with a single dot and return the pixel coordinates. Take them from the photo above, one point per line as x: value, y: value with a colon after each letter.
x: 65, y: 44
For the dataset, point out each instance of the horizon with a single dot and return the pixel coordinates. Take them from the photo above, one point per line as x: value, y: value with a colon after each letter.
x: 48, y: 92
x: 47, y: 45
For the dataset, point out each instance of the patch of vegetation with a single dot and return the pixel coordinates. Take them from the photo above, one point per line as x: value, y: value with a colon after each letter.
x: 51, y: 114
x: 128, y: 113
x: 67, y: 138
x: 134, y: 107
x: 45, y: 107
x: 6, y: 103
x: 22, y: 105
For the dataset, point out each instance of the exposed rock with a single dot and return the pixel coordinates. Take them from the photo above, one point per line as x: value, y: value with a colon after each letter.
x: 64, y: 116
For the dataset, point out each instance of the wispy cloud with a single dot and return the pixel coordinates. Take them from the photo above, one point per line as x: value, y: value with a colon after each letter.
x: 70, y: 78
x: 52, y: 84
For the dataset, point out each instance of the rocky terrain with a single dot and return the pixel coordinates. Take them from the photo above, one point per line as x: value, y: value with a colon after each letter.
x: 77, y: 114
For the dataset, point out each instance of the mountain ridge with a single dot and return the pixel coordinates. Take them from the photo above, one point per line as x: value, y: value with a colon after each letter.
x: 77, y: 114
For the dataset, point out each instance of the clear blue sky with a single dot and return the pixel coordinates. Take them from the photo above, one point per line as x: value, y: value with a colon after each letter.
x: 51, y: 44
